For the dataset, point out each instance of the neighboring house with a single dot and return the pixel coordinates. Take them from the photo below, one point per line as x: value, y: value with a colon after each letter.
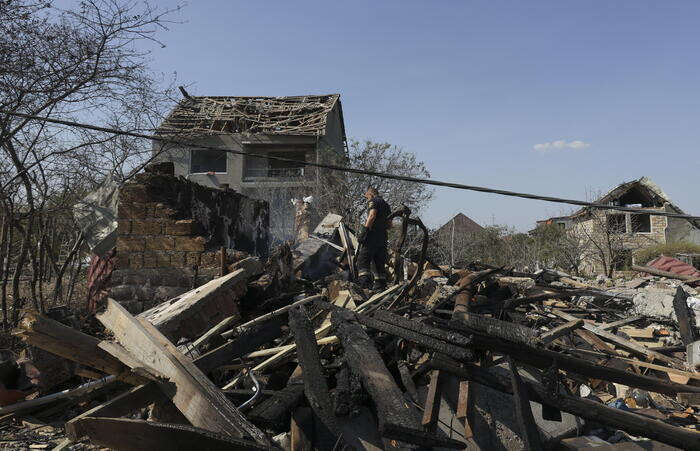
x: 300, y: 128
x: 459, y: 225
x: 454, y: 239
x: 561, y: 221
x: 622, y: 233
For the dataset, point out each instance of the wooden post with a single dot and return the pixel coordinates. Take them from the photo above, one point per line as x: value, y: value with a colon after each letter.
x: 199, y: 400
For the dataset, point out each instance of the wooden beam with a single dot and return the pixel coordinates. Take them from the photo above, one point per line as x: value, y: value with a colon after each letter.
x: 621, y: 322
x: 71, y: 344
x: 315, y: 385
x: 523, y: 412
x: 136, y: 435
x: 425, y: 341
x: 247, y: 342
x: 431, y: 411
x: 397, y: 419
x: 557, y: 332
x: 544, y: 358
x: 680, y: 306
x: 121, y: 405
x: 590, y: 410
x: 349, y: 252
x: 627, y: 344
x: 192, y: 313
x: 264, y: 318
x: 199, y: 400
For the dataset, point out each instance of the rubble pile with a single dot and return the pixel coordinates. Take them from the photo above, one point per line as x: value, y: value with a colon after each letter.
x: 479, y: 357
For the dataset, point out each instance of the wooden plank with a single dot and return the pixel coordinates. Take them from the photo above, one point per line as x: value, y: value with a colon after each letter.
x: 494, y: 327
x: 680, y: 306
x: 627, y: 344
x: 621, y: 322
x: 397, y: 419
x: 247, y: 342
x: 590, y: 410
x: 261, y: 319
x: 122, y: 405
x: 136, y: 435
x: 301, y: 430
x: 127, y: 359
x: 350, y: 253
x: 543, y: 358
x: 523, y: 412
x: 315, y: 385
x: 593, y: 340
x: 193, y: 313
x: 558, y: 331
x: 431, y: 411
x: 425, y: 341
x: 71, y: 344
x: 273, y: 412
x: 285, y: 352
x: 199, y: 400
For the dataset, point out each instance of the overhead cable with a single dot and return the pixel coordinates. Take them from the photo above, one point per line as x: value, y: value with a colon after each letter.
x: 359, y: 171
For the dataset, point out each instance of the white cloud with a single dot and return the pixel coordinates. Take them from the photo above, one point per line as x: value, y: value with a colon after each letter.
x: 560, y: 144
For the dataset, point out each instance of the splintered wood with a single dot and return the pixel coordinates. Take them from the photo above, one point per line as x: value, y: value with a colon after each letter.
x: 324, y: 364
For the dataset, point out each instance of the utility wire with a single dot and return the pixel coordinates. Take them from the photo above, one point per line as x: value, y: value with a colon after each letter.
x: 359, y: 171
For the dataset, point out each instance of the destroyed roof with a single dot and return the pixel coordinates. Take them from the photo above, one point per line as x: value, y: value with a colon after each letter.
x: 292, y: 115
x: 462, y: 224
x: 643, y: 187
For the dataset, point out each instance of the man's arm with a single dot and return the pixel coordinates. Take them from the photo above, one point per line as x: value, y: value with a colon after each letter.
x: 370, y: 218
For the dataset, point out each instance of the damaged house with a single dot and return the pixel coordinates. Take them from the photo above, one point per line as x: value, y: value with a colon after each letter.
x: 299, y: 128
x: 614, y: 236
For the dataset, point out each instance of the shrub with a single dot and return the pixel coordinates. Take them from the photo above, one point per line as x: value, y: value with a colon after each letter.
x: 643, y: 256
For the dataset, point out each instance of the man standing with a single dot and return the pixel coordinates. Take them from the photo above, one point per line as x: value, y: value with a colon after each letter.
x: 373, y: 240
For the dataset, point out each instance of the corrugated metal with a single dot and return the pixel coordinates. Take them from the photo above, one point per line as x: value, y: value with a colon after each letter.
x: 673, y: 265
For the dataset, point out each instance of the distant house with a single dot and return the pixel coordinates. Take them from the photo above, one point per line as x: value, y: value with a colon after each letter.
x: 627, y: 231
x: 298, y: 128
x: 460, y: 224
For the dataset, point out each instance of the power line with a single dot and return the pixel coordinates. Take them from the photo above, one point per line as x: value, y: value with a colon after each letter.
x: 359, y: 171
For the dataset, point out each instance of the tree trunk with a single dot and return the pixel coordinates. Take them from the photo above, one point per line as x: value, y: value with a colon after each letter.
x: 7, y: 248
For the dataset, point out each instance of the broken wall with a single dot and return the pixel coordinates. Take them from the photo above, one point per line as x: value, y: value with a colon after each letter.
x: 170, y: 235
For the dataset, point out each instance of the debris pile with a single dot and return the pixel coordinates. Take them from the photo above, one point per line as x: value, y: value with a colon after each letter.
x: 444, y: 358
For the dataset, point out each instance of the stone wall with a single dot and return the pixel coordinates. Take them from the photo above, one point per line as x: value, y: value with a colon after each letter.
x: 170, y: 235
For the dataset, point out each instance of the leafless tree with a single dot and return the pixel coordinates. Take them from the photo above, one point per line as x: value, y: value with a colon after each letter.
x: 86, y: 63
x: 343, y: 193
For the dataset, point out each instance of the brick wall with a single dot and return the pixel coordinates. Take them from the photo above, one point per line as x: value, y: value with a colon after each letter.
x: 170, y: 233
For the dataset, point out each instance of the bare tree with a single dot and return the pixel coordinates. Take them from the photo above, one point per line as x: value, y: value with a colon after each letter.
x: 343, y: 193
x: 73, y: 64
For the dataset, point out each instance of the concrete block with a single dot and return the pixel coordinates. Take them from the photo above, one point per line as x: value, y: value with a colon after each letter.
x: 132, y: 192
x: 131, y: 210
x: 182, y: 227
x: 693, y: 355
x: 123, y: 226
x: 130, y: 244
x: 193, y: 244
x: 160, y: 243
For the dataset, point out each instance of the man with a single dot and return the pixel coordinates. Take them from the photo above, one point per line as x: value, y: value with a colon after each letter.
x: 373, y: 241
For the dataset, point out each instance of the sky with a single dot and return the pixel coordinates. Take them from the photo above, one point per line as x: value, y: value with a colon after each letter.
x: 561, y: 98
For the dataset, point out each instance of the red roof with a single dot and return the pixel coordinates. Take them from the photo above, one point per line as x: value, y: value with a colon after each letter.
x: 673, y: 265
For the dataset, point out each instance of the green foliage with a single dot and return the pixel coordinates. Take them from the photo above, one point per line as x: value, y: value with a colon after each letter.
x: 647, y: 254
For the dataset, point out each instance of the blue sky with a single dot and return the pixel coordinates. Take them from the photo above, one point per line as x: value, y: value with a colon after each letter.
x: 552, y: 97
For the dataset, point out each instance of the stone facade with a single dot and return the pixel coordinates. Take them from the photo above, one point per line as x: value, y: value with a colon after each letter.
x: 170, y: 235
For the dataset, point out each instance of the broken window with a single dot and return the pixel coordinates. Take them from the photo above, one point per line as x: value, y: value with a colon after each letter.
x: 269, y: 168
x: 207, y: 160
x: 616, y: 223
x: 641, y: 223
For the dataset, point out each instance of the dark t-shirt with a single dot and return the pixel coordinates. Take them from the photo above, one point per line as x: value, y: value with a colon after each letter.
x: 378, y: 232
